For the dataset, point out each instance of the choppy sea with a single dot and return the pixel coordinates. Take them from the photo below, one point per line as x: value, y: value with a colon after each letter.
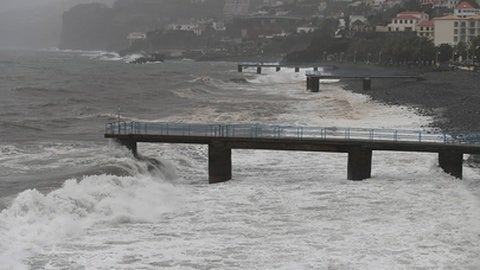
x: 70, y: 199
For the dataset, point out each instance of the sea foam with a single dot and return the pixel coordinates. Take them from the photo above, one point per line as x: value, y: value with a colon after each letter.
x: 35, y: 221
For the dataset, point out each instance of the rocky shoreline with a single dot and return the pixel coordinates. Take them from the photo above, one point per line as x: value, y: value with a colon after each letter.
x: 451, y: 98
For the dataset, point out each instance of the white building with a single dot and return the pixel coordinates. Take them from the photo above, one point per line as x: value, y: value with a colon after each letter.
x: 354, y: 18
x: 134, y: 36
x: 407, y: 21
x: 425, y: 29
x: 452, y: 29
x: 450, y: 4
x: 465, y: 9
x: 306, y: 29
x: 190, y: 27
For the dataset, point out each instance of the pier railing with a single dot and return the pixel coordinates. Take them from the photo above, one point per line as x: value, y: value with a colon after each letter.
x: 293, y: 132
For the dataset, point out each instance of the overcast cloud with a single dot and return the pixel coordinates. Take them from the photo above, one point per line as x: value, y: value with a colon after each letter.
x: 9, y: 5
x: 34, y: 23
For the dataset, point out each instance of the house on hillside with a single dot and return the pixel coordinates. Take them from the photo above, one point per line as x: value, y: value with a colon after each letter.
x: 407, y: 21
x: 308, y: 28
x: 465, y: 9
x: 425, y: 29
x: 359, y: 26
x: 357, y: 23
x: 449, y: 4
x: 134, y: 36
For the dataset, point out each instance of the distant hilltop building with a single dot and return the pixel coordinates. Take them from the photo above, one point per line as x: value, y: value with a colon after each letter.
x: 450, y: 4
x: 134, y: 36
x: 407, y: 21
x: 236, y: 7
x: 465, y: 9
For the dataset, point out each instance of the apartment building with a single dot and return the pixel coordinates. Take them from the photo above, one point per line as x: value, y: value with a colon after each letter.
x: 453, y: 29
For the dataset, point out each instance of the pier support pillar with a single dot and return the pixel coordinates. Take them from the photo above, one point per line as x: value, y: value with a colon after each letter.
x: 315, y: 69
x: 297, y: 69
x: 259, y: 70
x: 240, y: 68
x: 359, y: 164
x: 315, y: 84
x: 451, y: 163
x: 130, y: 144
x: 219, y: 162
x: 277, y: 69
x: 367, y: 83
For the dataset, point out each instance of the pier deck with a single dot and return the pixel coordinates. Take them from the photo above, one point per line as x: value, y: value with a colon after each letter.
x: 314, y: 77
x: 358, y: 143
x: 278, y: 67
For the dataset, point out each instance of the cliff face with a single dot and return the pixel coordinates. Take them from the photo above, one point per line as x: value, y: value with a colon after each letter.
x: 97, y: 27
x: 87, y: 27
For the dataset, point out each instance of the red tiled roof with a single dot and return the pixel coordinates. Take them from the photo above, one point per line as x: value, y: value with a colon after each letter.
x: 407, y: 17
x: 448, y: 17
x: 409, y: 13
x: 426, y: 23
x: 464, y: 5
x: 473, y: 17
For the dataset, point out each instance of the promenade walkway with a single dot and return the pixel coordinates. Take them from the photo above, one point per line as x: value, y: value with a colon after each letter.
x: 357, y: 142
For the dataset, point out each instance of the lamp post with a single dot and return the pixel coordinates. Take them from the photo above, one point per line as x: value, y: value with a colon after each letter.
x: 436, y: 59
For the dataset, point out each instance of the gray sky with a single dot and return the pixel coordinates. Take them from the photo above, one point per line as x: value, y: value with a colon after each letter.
x: 34, y: 23
x: 8, y: 5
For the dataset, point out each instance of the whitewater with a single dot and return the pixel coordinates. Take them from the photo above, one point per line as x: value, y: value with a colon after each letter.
x: 70, y: 199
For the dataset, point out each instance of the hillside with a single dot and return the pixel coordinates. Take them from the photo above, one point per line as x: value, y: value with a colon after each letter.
x: 99, y: 27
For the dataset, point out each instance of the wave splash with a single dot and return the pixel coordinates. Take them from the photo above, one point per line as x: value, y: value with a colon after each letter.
x: 35, y: 222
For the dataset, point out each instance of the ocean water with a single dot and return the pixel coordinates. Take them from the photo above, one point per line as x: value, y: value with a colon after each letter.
x: 70, y: 199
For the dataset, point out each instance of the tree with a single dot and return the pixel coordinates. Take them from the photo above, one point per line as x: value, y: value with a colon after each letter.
x: 444, y: 52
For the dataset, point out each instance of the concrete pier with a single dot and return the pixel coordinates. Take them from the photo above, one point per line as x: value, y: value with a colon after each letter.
x: 259, y: 70
x: 358, y: 143
x: 367, y: 78
x: 367, y: 84
x: 451, y: 162
x: 130, y: 143
x: 359, y: 164
x: 313, y: 84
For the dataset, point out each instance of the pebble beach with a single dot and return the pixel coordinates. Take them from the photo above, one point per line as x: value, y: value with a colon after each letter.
x: 452, y: 98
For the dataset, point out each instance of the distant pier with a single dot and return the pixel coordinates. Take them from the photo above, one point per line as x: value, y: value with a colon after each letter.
x: 358, y: 143
x: 314, y: 77
x: 260, y: 66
